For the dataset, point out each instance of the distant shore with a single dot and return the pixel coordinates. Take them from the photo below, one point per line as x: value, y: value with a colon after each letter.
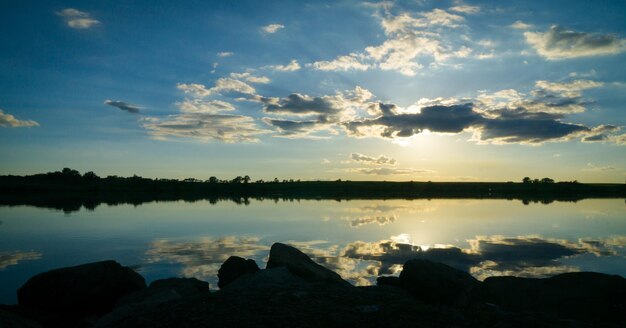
x: 69, y: 190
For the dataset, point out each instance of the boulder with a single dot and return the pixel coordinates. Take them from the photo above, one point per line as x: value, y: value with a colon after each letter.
x: 299, y: 264
x: 267, y: 278
x: 437, y: 283
x: 233, y: 268
x: 80, y: 291
x: 159, y: 292
x: 576, y: 295
x: 388, y: 281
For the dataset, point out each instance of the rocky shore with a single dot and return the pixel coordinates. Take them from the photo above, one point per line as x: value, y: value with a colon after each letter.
x: 294, y: 291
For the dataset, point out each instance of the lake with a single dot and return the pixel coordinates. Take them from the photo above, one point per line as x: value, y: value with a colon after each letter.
x: 359, y: 239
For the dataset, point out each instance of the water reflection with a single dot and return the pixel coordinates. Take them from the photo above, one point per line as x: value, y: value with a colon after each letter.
x: 361, y: 262
x: 202, y: 258
x: 14, y: 257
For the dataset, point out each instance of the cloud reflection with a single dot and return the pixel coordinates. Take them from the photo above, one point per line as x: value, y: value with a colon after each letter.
x: 203, y: 258
x: 14, y: 257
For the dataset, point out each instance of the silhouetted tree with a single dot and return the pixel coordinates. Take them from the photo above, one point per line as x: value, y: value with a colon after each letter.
x: 246, y: 179
x: 213, y: 180
x: 547, y: 180
x: 90, y: 176
x: 526, y: 180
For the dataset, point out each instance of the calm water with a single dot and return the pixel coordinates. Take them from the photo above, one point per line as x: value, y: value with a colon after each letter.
x: 359, y: 239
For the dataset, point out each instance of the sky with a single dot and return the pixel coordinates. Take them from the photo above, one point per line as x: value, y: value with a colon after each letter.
x: 418, y: 90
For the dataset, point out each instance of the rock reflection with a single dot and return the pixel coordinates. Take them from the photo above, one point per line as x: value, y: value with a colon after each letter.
x: 14, y: 257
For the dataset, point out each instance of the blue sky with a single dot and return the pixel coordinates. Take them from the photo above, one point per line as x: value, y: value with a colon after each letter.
x: 404, y: 90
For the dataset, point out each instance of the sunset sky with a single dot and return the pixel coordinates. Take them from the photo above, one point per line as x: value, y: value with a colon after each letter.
x: 406, y: 90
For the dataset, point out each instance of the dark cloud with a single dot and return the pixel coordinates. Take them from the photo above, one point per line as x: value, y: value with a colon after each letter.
x: 525, y: 127
x: 450, y: 119
x: 305, y: 105
x: 290, y: 128
x: 559, y: 43
x: 504, y: 126
x: 123, y: 106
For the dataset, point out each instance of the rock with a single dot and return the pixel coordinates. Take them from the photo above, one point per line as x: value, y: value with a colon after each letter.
x: 80, y: 291
x: 182, y: 286
x: 436, y: 283
x: 299, y: 264
x: 159, y: 292
x: 267, y: 278
x: 576, y: 295
x: 233, y: 268
x: 14, y: 320
x: 388, y: 281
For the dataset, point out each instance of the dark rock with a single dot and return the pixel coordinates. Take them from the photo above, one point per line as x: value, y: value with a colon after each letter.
x: 233, y: 268
x: 437, y: 283
x: 182, y: 286
x: 80, y: 291
x: 577, y: 295
x: 388, y: 281
x: 299, y: 264
x: 14, y: 320
x: 267, y: 278
x: 159, y: 292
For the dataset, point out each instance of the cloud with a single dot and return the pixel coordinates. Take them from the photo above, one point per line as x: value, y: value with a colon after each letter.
x: 519, y: 25
x: 203, y: 106
x: 272, y: 28
x: 303, y: 104
x: 365, y: 220
x: 9, y: 121
x: 8, y: 258
x: 558, y: 43
x: 205, y: 127
x: 225, y: 54
x: 341, y: 63
x: 77, y: 19
x: 412, y: 41
x: 123, y: 106
x: 222, y: 85
x: 314, y: 113
x: 297, y: 129
x: 597, y: 168
x: 390, y: 171
x: 380, y: 160
x: 250, y: 78
x: 292, y: 66
x: 465, y: 9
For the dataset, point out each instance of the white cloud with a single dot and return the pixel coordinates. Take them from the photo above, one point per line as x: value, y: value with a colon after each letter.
x: 558, y: 43
x: 519, y: 25
x: 465, y: 9
x: 272, y: 28
x: 250, y: 78
x: 225, y: 54
x: 221, y: 85
x: 202, y: 106
x: 341, y: 63
x: 568, y: 89
x: 292, y: 66
x: 77, y: 19
x: 409, y: 39
x: 204, y: 127
x: 9, y: 121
